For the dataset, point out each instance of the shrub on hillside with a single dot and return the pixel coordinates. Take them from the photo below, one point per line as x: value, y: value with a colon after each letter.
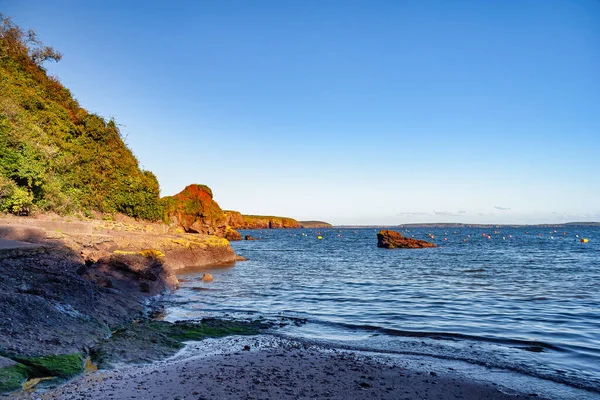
x: 54, y: 155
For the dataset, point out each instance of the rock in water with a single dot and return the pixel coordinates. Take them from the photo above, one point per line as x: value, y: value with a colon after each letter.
x: 392, y: 240
x: 231, y: 234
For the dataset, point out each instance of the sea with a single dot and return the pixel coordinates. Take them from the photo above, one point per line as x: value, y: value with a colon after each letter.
x: 522, y: 302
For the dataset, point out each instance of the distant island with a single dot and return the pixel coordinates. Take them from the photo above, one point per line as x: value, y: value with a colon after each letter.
x: 462, y: 225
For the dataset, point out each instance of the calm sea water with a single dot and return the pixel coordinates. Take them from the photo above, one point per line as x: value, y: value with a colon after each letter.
x: 525, y: 300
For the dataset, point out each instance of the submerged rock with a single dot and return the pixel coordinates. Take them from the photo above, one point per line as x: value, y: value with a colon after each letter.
x: 391, y: 240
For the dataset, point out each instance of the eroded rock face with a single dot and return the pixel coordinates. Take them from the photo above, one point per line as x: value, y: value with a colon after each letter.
x: 148, y: 274
x: 392, y: 240
x: 195, y: 211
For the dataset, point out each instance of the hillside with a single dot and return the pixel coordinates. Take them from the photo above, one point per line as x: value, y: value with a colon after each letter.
x: 55, y: 155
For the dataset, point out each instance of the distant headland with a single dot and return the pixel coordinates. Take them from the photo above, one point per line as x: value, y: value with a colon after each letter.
x: 464, y: 225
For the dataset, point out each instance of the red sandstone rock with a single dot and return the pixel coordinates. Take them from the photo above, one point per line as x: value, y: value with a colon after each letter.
x: 231, y: 234
x: 392, y: 240
x: 195, y: 211
x: 239, y: 221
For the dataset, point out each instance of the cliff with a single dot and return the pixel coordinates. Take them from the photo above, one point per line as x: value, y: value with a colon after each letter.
x: 240, y: 221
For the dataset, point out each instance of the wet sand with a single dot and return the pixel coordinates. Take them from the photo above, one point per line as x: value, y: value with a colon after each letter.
x: 250, y: 369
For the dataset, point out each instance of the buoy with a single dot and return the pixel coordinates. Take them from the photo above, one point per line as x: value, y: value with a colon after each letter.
x: 319, y: 237
x: 584, y: 240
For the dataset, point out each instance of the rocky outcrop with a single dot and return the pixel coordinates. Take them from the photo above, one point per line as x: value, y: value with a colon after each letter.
x: 315, y: 224
x: 240, y: 221
x: 195, y: 211
x: 392, y: 240
x: 143, y: 271
x: 74, y: 289
x: 232, y: 235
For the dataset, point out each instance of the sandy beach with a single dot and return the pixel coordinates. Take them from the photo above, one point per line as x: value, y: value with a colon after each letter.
x: 272, y: 368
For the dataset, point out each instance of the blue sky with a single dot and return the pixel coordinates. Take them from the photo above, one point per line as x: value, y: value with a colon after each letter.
x: 355, y: 112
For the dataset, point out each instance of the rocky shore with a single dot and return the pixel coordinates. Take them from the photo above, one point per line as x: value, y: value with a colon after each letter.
x: 66, y: 286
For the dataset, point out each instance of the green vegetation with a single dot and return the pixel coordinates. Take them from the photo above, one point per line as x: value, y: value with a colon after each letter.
x: 11, y: 378
x: 213, y: 328
x: 63, y: 365
x: 54, y: 155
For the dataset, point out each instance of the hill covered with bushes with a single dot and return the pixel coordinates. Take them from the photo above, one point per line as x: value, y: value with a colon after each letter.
x: 55, y: 155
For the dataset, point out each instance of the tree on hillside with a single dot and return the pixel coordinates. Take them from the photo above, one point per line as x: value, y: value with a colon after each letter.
x: 17, y: 42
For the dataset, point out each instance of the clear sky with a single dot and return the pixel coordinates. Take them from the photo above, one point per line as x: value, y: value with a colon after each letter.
x: 354, y: 112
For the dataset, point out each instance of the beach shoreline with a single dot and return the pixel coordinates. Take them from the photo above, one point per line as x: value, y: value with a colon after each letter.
x: 268, y: 367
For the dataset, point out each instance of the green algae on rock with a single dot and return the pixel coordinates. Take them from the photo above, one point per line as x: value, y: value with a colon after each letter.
x: 153, y: 340
x: 12, y: 377
x: 61, y: 365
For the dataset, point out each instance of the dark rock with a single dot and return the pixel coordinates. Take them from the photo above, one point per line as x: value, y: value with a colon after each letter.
x: 392, y: 240
x: 248, y: 237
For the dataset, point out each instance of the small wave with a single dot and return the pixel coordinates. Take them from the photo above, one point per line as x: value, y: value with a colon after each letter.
x: 474, y: 270
x: 524, y: 344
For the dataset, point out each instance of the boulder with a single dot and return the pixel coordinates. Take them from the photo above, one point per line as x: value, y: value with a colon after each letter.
x: 248, y: 237
x: 392, y: 240
x: 231, y: 234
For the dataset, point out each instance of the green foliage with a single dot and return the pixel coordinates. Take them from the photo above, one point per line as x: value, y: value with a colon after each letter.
x: 14, y: 199
x: 54, y: 155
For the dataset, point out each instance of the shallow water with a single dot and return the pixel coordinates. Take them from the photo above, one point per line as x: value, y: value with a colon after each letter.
x: 525, y: 300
